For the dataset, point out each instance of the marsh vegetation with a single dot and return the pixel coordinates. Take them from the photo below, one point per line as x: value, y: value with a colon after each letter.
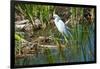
x: 37, y: 40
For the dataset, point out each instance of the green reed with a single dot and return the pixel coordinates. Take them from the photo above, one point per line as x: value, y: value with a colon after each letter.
x: 76, y: 47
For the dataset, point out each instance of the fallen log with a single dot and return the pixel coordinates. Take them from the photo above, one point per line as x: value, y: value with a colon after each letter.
x: 21, y: 22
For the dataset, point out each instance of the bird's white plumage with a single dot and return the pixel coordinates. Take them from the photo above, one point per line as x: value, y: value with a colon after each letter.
x: 61, y: 25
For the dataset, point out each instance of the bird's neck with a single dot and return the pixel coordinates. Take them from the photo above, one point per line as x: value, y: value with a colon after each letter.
x: 56, y: 19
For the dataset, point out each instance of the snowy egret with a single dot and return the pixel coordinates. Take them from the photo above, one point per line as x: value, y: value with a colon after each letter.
x: 62, y: 28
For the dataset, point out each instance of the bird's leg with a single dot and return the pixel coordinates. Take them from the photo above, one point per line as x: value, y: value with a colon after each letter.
x: 67, y: 40
x: 68, y: 45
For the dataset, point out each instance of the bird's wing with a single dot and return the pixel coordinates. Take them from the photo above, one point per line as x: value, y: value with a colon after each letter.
x: 65, y: 28
x: 61, y: 23
x: 61, y: 26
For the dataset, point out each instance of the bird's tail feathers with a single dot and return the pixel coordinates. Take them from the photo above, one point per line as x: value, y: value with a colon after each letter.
x: 68, y: 34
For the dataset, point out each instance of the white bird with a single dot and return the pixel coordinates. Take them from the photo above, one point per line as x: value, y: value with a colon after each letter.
x: 62, y: 28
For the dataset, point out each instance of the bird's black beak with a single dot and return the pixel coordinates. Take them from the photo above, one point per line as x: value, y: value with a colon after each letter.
x: 52, y: 18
